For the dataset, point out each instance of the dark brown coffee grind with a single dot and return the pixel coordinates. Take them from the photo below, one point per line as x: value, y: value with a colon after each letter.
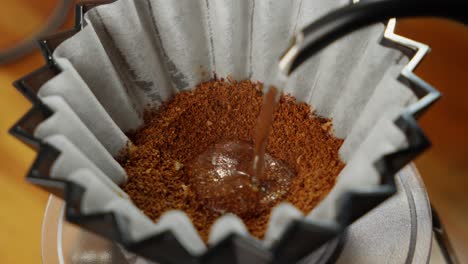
x: 219, y: 111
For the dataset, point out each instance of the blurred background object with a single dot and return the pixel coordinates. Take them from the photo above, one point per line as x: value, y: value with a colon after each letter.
x: 444, y: 168
x: 23, y: 42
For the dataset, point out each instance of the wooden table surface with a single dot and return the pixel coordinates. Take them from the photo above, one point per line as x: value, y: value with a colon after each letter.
x: 444, y: 168
x: 22, y: 204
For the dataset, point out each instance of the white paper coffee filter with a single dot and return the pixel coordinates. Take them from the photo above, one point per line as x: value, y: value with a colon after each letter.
x: 135, y: 54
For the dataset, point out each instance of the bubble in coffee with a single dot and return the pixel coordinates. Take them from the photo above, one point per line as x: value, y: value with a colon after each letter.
x: 223, y: 178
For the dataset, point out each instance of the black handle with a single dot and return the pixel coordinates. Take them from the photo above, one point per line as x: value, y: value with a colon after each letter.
x: 345, y: 20
x: 442, y: 239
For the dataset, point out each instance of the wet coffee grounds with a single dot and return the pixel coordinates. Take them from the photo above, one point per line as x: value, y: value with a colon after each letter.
x: 160, y: 162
